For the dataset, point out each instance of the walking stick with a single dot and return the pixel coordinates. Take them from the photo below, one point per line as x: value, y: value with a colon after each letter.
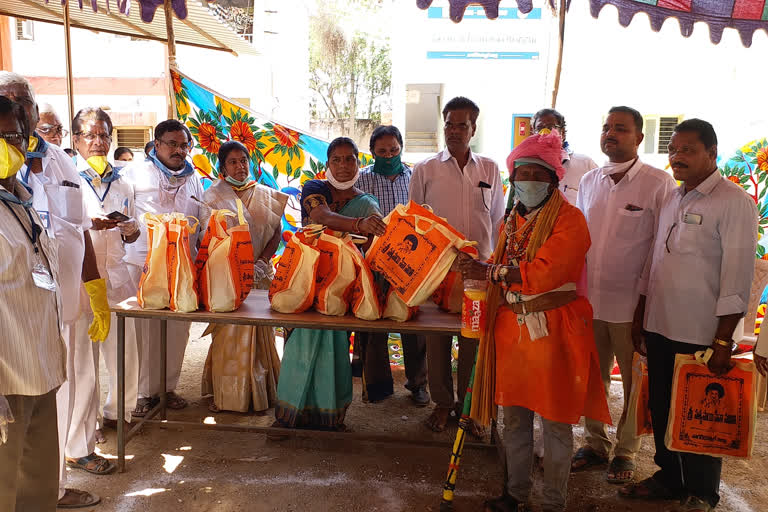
x: 446, y: 504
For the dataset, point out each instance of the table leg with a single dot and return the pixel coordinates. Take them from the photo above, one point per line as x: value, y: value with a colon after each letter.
x: 120, y: 393
x: 163, y: 368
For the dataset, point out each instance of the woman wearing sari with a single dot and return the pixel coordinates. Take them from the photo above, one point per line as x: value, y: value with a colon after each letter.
x: 315, y: 386
x: 545, y: 355
x: 243, y: 367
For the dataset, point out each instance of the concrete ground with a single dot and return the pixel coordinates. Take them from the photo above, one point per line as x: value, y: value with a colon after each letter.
x: 198, y: 470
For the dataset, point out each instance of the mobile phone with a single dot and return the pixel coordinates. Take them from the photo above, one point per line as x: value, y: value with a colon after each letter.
x: 120, y: 217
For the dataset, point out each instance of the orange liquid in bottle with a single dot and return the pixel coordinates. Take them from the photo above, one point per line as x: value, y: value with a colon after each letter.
x: 473, y: 313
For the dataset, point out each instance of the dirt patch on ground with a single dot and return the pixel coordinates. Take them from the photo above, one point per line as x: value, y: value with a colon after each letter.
x: 196, y: 470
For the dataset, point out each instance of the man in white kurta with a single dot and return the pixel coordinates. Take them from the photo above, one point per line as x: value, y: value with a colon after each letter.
x: 163, y: 183
x: 57, y: 197
x: 106, y: 191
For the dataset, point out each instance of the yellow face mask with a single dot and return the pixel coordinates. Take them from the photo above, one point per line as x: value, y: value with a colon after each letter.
x: 32, y: 143
x: 11, y: 160
x: 98, y: 163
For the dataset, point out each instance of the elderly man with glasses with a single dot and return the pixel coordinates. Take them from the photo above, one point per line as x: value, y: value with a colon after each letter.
x: 56, y: 195
x: 163, y: 183
x: 49, y: 126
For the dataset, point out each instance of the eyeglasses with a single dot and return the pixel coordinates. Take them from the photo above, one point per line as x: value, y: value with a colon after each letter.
x: 91, y: 137
x: 50, y: 129
x: 175, y: 145
x: 552, y: 126
x: 666, y: 242
x: 13, y: 138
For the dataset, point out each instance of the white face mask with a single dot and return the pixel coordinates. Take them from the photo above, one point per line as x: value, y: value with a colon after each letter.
x: 342, y: 185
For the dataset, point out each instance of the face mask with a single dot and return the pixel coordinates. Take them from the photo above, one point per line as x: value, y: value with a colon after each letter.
x: 342, y: 185
x: 531, y: 193
x: 98, y: 163
x: 11, y: 160
x: 233, y: 181
x: 32, y: 143
x: 387, y: 166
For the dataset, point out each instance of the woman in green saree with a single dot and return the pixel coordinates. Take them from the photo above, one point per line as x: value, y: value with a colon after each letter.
x: 315, y: 386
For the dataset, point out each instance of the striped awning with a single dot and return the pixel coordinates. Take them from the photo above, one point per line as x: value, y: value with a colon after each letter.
x: 200, y: 27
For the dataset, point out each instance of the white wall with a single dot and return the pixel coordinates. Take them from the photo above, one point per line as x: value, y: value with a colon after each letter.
x: 604, y: 65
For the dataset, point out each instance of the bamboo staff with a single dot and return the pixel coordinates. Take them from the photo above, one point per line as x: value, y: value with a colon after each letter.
x: 446, y: 504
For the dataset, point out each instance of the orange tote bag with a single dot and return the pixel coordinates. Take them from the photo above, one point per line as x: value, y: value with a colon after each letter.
x: 225, y: 262
x: 293, y: 287
x: 182, y: 277
x: 335, y: 274
x: 154, y: 292
x: 712, y: 415
x: 639, y: 413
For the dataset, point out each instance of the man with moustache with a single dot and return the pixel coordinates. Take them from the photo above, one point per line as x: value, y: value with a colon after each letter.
x: 163, y: 183
x: 692, y: 297
x: 621, y: 202
x: 466, y: 189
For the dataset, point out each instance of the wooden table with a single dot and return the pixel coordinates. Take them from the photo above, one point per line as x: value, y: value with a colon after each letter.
x: 256, y: 311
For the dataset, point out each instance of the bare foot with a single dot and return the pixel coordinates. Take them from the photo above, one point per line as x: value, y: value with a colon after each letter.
x: 439, y: 418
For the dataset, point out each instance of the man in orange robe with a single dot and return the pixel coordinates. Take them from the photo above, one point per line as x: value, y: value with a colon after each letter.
x: 546, y: 361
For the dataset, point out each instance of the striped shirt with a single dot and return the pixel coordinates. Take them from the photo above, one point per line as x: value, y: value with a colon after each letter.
x: 32, y: 360
x: 389, y: 193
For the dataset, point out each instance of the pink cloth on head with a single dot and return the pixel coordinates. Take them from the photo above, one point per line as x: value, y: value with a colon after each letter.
x: 547, y: 148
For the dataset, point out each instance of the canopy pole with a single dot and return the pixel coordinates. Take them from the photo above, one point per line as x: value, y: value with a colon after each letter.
x: 171, y: 56
x: 70, y: 84
x: 561, y: 41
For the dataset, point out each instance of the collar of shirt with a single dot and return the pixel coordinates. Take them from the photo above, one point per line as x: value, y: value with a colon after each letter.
x: 21, y: 192
x: 446, y: 155
x: 705, y: 187
x: 632, y: 168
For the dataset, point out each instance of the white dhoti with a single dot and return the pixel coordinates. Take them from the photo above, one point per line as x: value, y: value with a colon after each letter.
x: 148, y: 343
x: 77, y: 400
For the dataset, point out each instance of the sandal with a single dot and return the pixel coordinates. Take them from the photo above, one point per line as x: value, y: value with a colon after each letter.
x: 92, y: 463
x: 620, y: 465
x: 144, y: 405
x: 589, y: 458
x: 694, y: 504
x: 649, y: 490
x: 74, y: 498
x: 174, y: 401
x: 277, y: 437
x: 504, y: 503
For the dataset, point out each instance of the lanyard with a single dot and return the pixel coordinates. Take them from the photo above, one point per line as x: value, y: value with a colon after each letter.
x: 36, y: 230
x: 25, y: 177
x: 102, y: 197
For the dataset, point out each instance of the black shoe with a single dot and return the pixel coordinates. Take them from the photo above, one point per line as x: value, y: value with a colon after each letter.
x: 420, y: 397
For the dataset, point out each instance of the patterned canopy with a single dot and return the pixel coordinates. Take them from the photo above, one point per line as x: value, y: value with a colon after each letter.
x: 146, y: 7
x: 746, y: 16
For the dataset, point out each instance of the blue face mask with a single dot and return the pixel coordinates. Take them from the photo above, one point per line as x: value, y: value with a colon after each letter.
x: 531, y: 193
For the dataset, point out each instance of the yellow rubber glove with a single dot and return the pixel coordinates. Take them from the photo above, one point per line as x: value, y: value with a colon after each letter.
x: 97, y: 291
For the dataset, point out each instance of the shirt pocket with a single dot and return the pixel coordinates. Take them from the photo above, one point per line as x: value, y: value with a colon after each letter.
x: 632, y: 225
x: 482, y: 198
x: 65, y: 203
x: 696, y: 239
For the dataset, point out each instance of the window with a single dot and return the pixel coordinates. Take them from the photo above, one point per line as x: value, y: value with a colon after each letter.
x: 134, y: 137
x: 422, y: 117
x: 25, y: 30
x: 658, y: 130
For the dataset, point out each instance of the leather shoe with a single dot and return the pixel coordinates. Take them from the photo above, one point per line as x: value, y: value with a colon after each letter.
x: 420, y: 397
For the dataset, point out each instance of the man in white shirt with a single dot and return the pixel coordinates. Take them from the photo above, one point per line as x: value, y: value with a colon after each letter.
x: 57, y: 197
x: 105, y: 191
x: 576, y: 165
x: 621, y: 202
x: 49, y: 126
x: 466, y: 189
x: 163, y: 183
x: 698, y: 287
x: 32, y: 352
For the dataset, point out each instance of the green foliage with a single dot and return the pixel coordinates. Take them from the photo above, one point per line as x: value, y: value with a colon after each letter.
x: 350, y: 74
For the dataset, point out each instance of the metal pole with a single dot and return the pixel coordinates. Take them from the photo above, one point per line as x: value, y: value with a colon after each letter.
x: 70, y: 84
x: 120, y: 393
x: 163, y: 367
x: 171, y: 55
x: 561, y: 40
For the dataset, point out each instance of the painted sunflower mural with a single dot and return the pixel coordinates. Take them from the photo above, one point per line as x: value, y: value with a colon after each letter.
x: 748, y: 167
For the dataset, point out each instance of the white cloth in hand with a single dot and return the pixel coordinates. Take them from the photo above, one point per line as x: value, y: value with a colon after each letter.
x: 262, y: 270
x: 128, y: 228
x: 6, y: 417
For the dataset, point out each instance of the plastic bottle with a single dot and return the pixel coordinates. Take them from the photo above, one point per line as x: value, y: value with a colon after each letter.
x: 473, y: 308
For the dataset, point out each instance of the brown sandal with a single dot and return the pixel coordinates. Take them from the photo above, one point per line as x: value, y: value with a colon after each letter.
x: 77, y: 499
x: 435, y: 421
x: 92, y: 463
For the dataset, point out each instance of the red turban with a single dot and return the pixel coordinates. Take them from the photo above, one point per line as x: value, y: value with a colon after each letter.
x: 542, y: 149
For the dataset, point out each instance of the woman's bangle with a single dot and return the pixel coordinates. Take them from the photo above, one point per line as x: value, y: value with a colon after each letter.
x: 489, y: 273
x: 357, y: 224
